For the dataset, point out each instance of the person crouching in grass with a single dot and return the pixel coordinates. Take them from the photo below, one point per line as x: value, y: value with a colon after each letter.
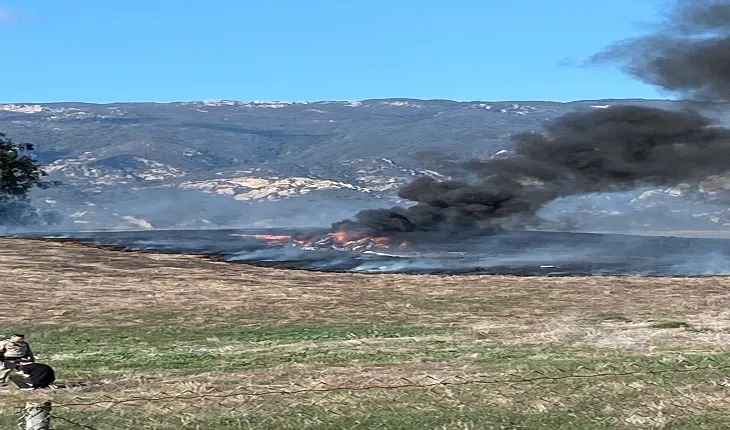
x: 12, y: 351
x: 32, y: 375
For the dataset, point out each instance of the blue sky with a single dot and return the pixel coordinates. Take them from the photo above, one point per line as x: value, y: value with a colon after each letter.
x: 173, y: 50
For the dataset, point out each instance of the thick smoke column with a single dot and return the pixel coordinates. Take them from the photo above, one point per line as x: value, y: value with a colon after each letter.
x: 613, y: 149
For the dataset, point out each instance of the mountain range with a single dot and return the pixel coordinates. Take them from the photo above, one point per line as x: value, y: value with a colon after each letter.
x: 209, y: 164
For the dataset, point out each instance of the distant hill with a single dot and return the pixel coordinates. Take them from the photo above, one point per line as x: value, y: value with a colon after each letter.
x: 231, y: 163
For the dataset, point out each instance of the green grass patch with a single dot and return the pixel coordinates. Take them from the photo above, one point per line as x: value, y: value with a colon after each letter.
x: 80, y: 352
x: 465, y: 407
x: 216, y: 347
x: 541, y: 386
x: 670, y: 325
x: 73, y: 337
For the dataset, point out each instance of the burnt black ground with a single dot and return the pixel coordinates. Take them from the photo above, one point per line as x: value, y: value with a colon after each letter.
x: 524, y: 253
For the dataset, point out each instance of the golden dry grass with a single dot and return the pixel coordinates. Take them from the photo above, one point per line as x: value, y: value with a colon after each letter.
x: 79, y: 285
x: 73, y: 282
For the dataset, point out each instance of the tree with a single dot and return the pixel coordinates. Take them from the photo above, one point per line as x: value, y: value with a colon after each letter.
x: 19, y: 174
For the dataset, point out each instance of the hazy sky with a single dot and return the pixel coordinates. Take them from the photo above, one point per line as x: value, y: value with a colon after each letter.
x: 167, y: 50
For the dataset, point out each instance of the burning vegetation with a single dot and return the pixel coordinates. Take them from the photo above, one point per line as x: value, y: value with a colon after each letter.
x: 337, y: 240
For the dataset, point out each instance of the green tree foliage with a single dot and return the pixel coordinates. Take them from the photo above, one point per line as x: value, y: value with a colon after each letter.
x: 19, y: 174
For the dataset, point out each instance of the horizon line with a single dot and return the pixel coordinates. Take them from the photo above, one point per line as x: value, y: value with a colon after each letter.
x: 333, y: 101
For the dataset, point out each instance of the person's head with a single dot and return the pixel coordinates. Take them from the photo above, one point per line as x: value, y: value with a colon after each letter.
x: 17, y: 338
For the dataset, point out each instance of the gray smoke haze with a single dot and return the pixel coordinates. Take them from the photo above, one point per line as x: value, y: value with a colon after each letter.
x: 604, y: 150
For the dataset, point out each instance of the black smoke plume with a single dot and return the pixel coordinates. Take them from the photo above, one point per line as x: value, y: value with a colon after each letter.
x: 688, y: 54
x: 602, y: 150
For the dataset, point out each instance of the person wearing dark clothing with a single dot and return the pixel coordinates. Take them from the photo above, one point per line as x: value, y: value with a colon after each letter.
x: 33, y: 375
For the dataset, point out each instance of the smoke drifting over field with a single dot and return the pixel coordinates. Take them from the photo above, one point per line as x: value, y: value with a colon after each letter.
x: 603, y: 150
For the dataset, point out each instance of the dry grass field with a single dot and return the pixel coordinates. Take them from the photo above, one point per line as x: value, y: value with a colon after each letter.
x: 164, y: 342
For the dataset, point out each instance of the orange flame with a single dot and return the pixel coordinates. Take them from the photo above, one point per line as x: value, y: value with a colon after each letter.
x: 340, y: 236
x: 345, y: 239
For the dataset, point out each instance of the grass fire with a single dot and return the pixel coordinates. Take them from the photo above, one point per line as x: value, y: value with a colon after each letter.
x: 459, y: 310
x: 338, y: 240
